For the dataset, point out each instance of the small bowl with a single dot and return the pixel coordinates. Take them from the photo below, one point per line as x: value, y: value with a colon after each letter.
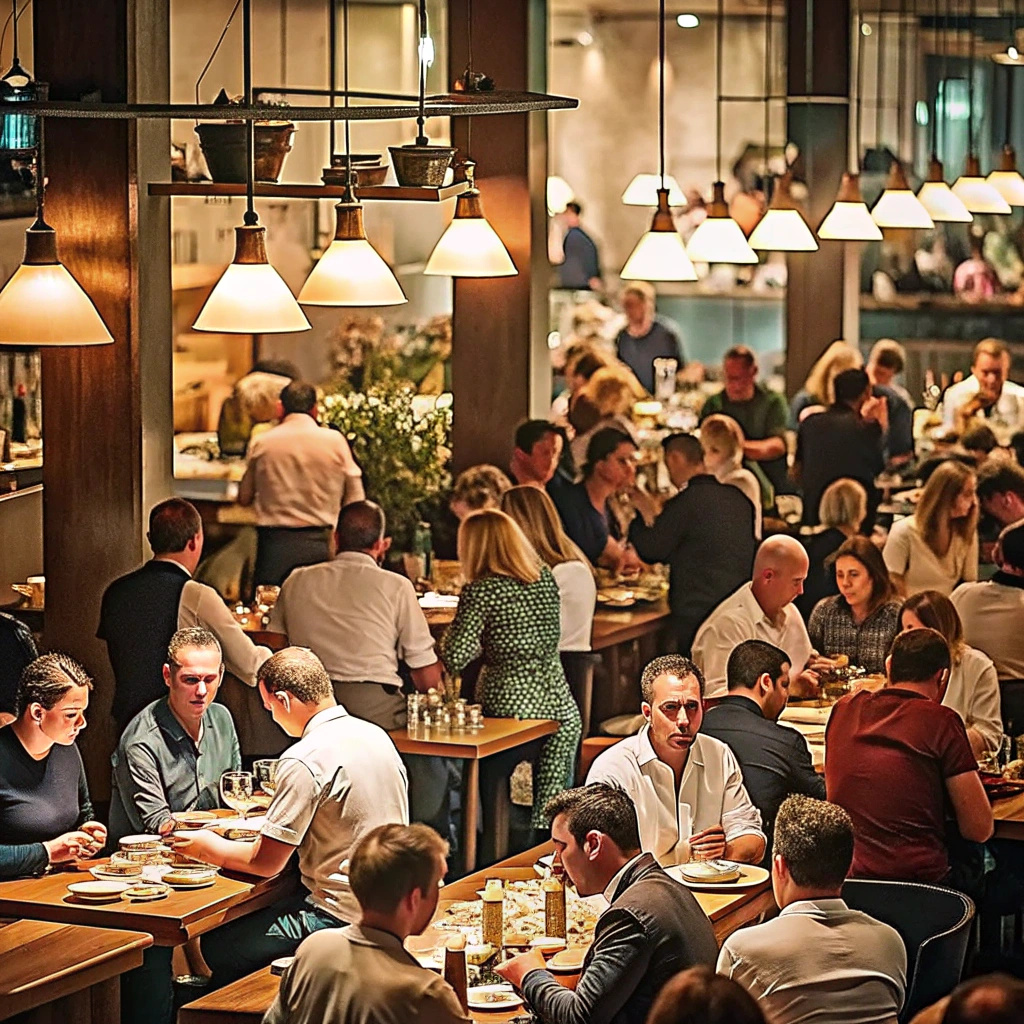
x: 186, y: 876
x: 116, y: 871
x: 141, y: 842
x: 98, y: 890
x: 423, y: 166
x: 143, y: 892
x: 366, y: 174
x: 187, y: 820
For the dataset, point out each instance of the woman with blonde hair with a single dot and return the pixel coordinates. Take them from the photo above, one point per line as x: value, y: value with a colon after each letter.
x: 973, y: 688
x: 817, y: 393
x: 508, y: 614
x: 722, y: 439
x: 937, y: 547
x: 604, y: 401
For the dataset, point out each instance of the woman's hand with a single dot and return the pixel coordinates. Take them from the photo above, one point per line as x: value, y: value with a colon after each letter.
x: 69, y: 846
x: 98, y: 831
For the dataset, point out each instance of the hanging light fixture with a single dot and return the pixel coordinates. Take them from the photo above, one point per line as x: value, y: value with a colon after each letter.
x: 643, y: 190
x: 1007, y: 180
x: 1011, y: 56
x: 782, y: 228
x: 558, y: 194
x: 350, y: 272
x: 251, y: 296
x: 19, y: 133
x: 718, y: 238
x: 660, y: 254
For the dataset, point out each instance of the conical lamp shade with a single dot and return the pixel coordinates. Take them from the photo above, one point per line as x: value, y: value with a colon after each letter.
x: 643, y: 191
x: 559, y: 193
x: 939, y: 199
x: 1007, y: 181
x: 897, y: 206
x: 251, y: 296
x: 470, y: 247
x: 42, y: 304
x: 849, y: 219
x: 660, y: 254
x: 976, y: 193
x: 718, y: 238
x: 783, y: 228
x: 351, y: 272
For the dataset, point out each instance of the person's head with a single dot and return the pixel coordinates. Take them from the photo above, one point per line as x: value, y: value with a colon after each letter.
x: 361, y: 527
x: 535, y: 514
x: 834, y: 360
x: 298, y: 396
x: 1010, y: 550
x: 931, y: 610
x: 611, y: 459
x: 684, y: 458
x: 581, y: 366
x: 611, y: 391
x: 759, y: 671
x: 476, y: 488
x: 980, y: 441
x: 538, y: 445
x: 175, y: 528
x: 1001, y: 491
x: 294, y: 686
x: 700, y: 996
x: 990, y: 999
x: 395, y: 873
x: 948, y: 498
x: 721, y: 437
x: 490, y: 543
x: 595, y: 832
x: 638, y: 299
x: 52, y: 695
x: 739, y: 372
x: 920, y: 658
x: 672, y: 702
x: 572, y: 212
x: 812, y: 849
x: 991, y: 365
x: 780, y: 568
x: 852, y: 388
x: 192, y: 673
x: 886, y: 361
x: 843, y: 506
x: 861, y: 575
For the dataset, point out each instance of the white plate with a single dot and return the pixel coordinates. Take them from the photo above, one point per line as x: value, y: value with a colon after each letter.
x: 100, y: 871
x: 750, y: 875
x: 98, y: 890
x: 808, y: 715
x: 190, y: 885
x: 493, y: 997
x: 137, y: 842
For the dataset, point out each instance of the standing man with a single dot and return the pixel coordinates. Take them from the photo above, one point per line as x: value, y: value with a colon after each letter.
x: 536, y: 451
x: 988, y: 391
x: 762, y: 413
x: 580, y: 270
x: 140, y: 613
x: 645, y: 337
x: 298, y: 476
x: 884, y: 364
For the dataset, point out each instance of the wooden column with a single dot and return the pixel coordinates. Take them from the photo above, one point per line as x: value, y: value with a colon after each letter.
x: 499, y: 355
x: 818, y: 33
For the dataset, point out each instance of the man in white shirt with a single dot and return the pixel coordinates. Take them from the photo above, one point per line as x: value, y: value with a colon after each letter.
x: 687, y: 788
x: 298, y: 476
x: 988, y: 390
x: 818, y: 960
x: 761, y: 610
x: 342, y: 778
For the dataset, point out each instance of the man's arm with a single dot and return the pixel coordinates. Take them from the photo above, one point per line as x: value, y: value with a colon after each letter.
x: 971, y: 806
x: 263, y: 857
x: 741, y: 820
x: 142, y: 789
x: 426, y: 677
x: 802, y: 776
x: 247, y: 485
x: 202, y: 606
x: 655, y: 543
x: 415, y: 643
x: 769, y: 448
x: 439, y: 1005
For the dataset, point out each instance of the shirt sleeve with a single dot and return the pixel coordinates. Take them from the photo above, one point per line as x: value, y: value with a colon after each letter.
x: 896, y: 552
x: 415, y: 644
x: 816, y: 625
x: 969, y: 570
x: 23, y: 859
x: 655, y: 543
x: 711, y: 649
x: 202, y: 606
x: 461, y: 642
x: 777, y: 416
x: 295, y: 802
x: 247, y: 486
x: 955, y: 754
x: 802, y: 776
x: 85, y: 808
x: 901, y: 426
x: 141, y: 788
x: 984, y: 712
x: 739, y: 815
x: 440, y: 1005
x: 348, y: 463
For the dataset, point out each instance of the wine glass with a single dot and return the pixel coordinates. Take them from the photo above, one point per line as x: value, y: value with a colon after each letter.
x: 236, y: 789
x: 266, y: 774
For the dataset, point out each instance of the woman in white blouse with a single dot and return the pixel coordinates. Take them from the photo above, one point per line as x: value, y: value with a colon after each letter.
x: 937, y: 547
x: 973, y: 688
x: 722, y: 439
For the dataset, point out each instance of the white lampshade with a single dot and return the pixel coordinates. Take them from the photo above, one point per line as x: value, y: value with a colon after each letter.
x: 559, y: 192
x: 897, y: 206
x: 251, y: 296
x: 660, y: 254
x: 849, y: 219
x: 976, y: 193
x: 718, y: 238
x: 470, y: 247
x: 783, y: 228
x: 1007, y: 181
x: 42, y: 304
x: 643, y: 191
x: 942, y: 203
x: 351, y: 272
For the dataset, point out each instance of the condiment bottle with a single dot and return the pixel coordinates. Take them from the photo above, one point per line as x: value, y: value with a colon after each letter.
x: 493, y: 912
x: 554, y: 903
x: 455, y: 972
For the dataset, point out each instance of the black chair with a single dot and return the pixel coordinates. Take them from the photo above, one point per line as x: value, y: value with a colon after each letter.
x: 1011, y: 700
x: 935, y: 925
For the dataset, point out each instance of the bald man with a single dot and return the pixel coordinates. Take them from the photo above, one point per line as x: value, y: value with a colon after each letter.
x: 762, y: 609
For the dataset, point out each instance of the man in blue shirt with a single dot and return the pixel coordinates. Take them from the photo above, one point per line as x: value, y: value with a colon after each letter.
x: 581, y: 268
x: 645, y: 337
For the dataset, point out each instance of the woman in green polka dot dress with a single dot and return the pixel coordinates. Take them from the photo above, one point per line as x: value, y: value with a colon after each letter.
x: 509, y: 614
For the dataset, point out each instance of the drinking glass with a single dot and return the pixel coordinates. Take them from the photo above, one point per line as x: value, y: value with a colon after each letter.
x: 266, y: 598
x: 236, y: 789
x: 266, y: 774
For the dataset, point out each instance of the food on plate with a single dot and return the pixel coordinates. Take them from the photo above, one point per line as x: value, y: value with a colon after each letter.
x: 570, y: 959
x: 1014, y: 769
x: 710, y: 872
x: 190, y: 876
x: 144, y: 842
x: 145, y: 891
x: 241, y: 835
x: 118, y: 869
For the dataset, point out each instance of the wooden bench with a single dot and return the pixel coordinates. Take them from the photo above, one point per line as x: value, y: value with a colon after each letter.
x: 242, y: 1002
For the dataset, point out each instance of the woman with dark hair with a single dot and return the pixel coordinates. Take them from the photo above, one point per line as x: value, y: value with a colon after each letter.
x: 863, y: 619
x: 699, y: 996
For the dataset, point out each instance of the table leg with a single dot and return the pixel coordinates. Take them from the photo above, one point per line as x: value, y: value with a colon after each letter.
x: 106, y: 1001
x: 470, y: 811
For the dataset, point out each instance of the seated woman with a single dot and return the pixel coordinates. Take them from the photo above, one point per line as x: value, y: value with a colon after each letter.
x: 509, y: 613
x: 476, y: 488
x: 45, y: 812
x: 973, y: 688
x: 863, y: 619
x: 722, y: 439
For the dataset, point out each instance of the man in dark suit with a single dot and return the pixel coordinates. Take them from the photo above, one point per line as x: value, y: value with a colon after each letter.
x: 653, y: 928
x: 774, y: 759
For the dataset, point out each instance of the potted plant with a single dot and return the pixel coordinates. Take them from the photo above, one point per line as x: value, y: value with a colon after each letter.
x: 224, y: 146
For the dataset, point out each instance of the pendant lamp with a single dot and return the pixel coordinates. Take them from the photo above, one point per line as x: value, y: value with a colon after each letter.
x: 1007, y: 180
x: 1011, y: 56
x: 559, y: 193
x: 643, y: 191
x: 660, y: 255
x: 718, y: 238
x: 251, y: 297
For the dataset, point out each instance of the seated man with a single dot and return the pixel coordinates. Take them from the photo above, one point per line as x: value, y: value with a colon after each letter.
x: 896, y: 759
x: 1001, y: 492
x: 762, y: 609
x: 774, y: 760
x: 172, y: 753
x: 538, y: 447
x: 987, y: 391
x: 362, y: 972
x: 687, y: 788
x: 818, y: 960
x: 340, y: 780
x: 653, y: 928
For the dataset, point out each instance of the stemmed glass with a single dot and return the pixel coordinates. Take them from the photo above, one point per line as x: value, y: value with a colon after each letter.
x: 266, y: 774
x: 236, y: 789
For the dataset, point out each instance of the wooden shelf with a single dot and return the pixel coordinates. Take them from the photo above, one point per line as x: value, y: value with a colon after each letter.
x: 282, y: 190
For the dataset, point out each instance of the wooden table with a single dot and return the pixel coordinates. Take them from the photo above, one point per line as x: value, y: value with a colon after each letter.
x: 496, y: 737
x: 1009, y: 815
x: 60, y: 972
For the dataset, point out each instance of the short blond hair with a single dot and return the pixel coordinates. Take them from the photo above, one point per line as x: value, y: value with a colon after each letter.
x: 839, y: 356
x: 641, y: 289
x: 391, y: 861
x: 492, y: 544
x: 990, y: 347
x: 725, y: 433
x: 844, y: 503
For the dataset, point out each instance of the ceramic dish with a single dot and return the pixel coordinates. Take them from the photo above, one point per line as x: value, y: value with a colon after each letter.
x: 750, y: 875
x: 568, y: 961
x: 187, y: 820
x: 141, y: 842
x: 189, y: 878
x: 116, y: 872
x: 99, y: 890
x: 144, y: 892
x: 493, y: 997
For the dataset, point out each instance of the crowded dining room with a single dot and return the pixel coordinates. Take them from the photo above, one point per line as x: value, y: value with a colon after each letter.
x: 511, y: 512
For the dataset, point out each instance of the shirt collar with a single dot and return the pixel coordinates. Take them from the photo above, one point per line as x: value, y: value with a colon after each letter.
x: 323, y: 717
x: 365, y: 935
x: 613, y: 885
x: 1007, y: 579
x: 357, y: 557
x: 645, y: 753
x: 823, y: 906
x: 301, y: 420
x: 743, y: 703
x: 172, y: 727
x: 756, y: 612
x: 175, y: 563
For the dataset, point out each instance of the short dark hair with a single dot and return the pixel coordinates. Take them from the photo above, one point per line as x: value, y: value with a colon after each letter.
x: 360, y: 525
x: 700, y: 996
x: 997, y: 477
x: 597, y: 808
x: 298, y: 671
x: 392, y: 860
x: 752, y: 659
x: 743, y: 354
x: 46, y: 680
x: 978, y: 437
x: 888, y: 354
x: 532, y: 431
x: 278, y: 367
x: 602, y: 444
x: 298, y: 396
x: 849, y: 385
x: 686, y: 444
x: 917, y: 656
x: 990, y: 999
x: 1011, y: 544
x: 668, y: 664
x: 172, y: 524
x: 587, y: 364
x: 574, y: 206
x: 815, y: 838
x: 191, y: 636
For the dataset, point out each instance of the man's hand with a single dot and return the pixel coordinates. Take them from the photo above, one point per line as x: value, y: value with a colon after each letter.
x: 708, y: 844
x: 876, y: 409
x: 645, y: 504
x: 514, y: 970
x: 805, y: 685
